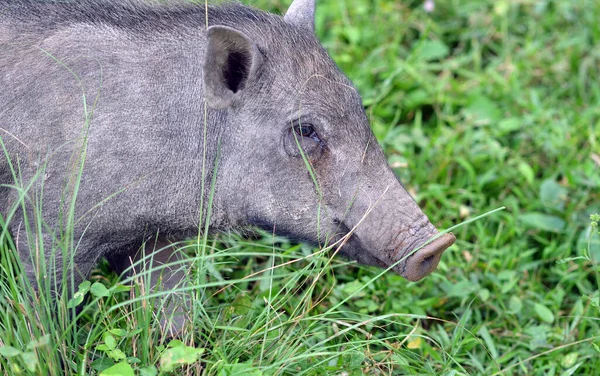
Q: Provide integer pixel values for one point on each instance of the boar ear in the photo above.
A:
(231, 59)
(301, 14)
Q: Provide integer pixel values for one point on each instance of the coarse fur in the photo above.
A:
(125, 91)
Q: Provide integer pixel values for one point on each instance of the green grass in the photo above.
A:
(478, 105)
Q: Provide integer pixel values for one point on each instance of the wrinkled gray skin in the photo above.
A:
(146, 71)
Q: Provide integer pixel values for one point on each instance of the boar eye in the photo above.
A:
(302, 139)
(306, 130)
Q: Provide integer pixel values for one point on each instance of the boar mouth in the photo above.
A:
(418, 260)
(350, 246)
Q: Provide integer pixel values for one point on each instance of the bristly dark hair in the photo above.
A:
(141, 19)
(129, 14)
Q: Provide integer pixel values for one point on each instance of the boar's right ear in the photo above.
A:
(301, 13)
(231, 59)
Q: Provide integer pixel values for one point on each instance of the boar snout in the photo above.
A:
(421, 263)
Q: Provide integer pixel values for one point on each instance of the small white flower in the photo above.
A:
(429, 6)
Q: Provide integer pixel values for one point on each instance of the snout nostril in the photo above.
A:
(428, 259)
(428, 264)
(424, 261)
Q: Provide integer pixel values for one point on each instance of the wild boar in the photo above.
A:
(121, 120)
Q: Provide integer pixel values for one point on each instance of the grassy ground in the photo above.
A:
(479, 104)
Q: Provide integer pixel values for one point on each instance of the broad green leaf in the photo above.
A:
(429, 50)
(179, 355)
(553, 194)
(354, 359)
(484, 294)
(541, 221)
(239, 370)
(77, 298)
(242, 304)
(515, 304)
(99, 290)
(9, 351)
(118, 332)
(175, 343)
(117, 355)
(42, 341)
(352, 287)
(122, 288)
(569, 360)
(526, 171)
(482, 110)
(148, 371)
(101, 364)
(120, 369)
(415, 343)
(84, 286)
(507, 275)
(544, 313)
(30, 360)
(109, 340)
(510, 124)
(539, 336)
